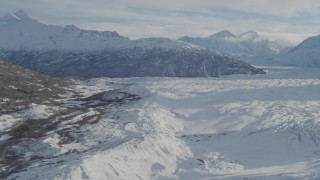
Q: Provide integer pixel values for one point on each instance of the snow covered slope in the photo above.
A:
(246, 46)
(306, 54)
(236, 127)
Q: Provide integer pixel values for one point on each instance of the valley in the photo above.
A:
(91, 104)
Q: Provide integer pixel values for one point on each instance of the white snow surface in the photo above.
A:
(36, 111)
(234, 127)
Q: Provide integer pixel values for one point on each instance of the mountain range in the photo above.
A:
(21, 34)
(245, 46)
(71, 51)
(252, 48)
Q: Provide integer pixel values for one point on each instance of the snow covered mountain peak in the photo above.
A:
(222, 34)
(15, 17)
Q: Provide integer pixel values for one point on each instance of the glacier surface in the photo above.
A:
(233, 127)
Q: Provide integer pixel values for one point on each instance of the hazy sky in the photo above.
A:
(289, 19)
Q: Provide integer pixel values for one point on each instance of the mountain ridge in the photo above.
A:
(19, 31)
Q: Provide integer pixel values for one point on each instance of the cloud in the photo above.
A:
(174, 18)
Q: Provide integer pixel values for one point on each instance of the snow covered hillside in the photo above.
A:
(234, 127)
(306, 54)
(19, 31)
(248, 46)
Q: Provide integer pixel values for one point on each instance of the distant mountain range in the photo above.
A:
(71, 51)
(252, 48)
(245, 46)
(40, 46)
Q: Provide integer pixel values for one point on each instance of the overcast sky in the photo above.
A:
(288, 19)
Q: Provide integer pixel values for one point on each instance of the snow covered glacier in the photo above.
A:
(234, 127)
